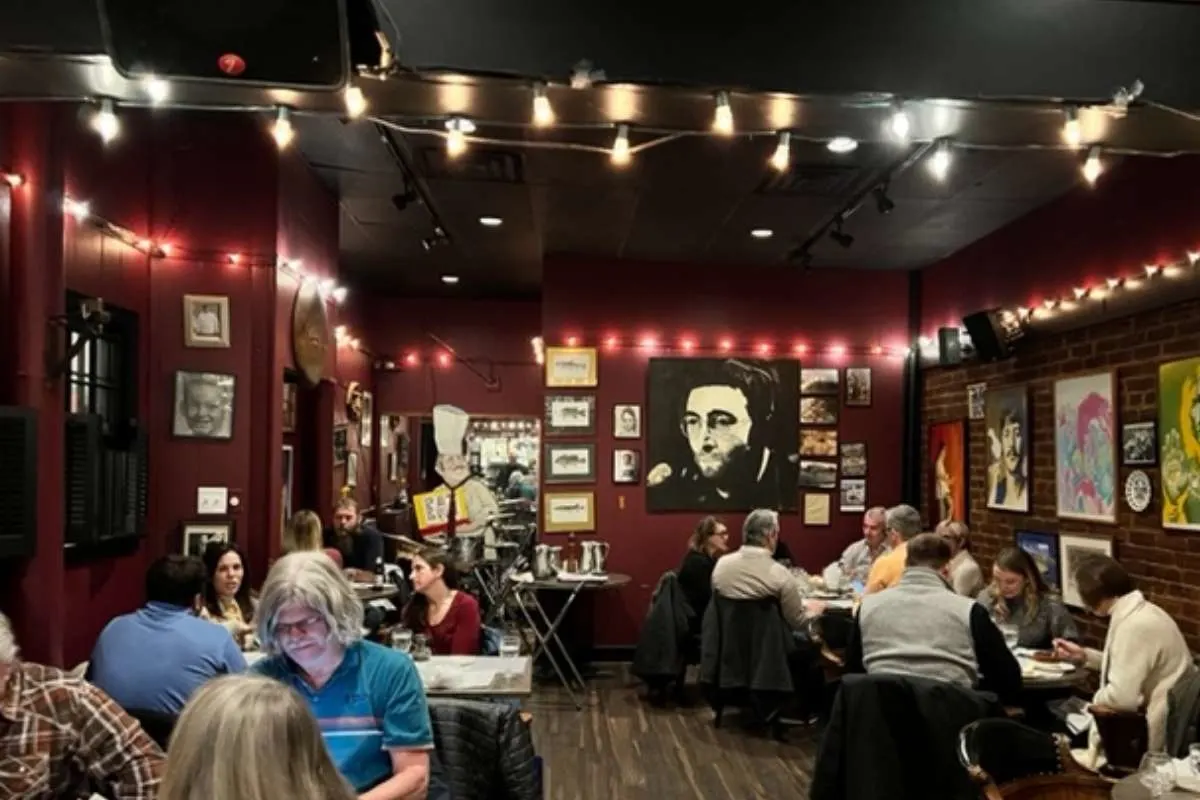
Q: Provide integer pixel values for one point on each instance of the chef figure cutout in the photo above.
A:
(474, 504)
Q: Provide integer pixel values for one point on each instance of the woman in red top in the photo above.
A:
(449, 617)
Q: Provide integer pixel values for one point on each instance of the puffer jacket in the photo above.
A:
(485, 749)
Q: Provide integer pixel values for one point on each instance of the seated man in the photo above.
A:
(154, 658)
(358, 540)
(752, 573)
(902, 523)
(858, 558)
(920, 627)
(62, 737)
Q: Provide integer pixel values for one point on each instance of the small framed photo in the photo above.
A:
(817, 474)
(570, 414)
(818, 410)
(627, 466)
(352, 469)
(205, 320)
(393, 470)
(819, 442)
(571, 367)
(858, 386)
(627, 421)
(203, 405)
(975, 394)
(365, 421)
(1138, 444)
(1043, 549)
(341, 444)
(1072, 549)
(199, 535)
(570, 463)
(289, 407)
(816, 509)
(289, 462)
(819, 381)
(569, 512)
(853, 495)
(854, 459)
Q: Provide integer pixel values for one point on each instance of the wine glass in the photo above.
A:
(1157, 773)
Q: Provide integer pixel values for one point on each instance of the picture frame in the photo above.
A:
(570, 414)
(820, 381)
(852, 460)
(568, 512)
(341, 444)
(859, 387)
(627, 421)
(1006, 415)
(289, 407)
(571, 367)
(288, 476)
(817, 474)
(1138, 444)
(817, 509)
(393, 471)
(352, 469)
(206, 320)
(819, 410)
(366, 420)
(947, 463)
(196, 536)
(627, 467)
(570, 462)
(1086, 480)
(1175, 435)
(1043, 548)
(1072, 547)
(819, 442)
(975, 400)
(852, 495)
(204, 405)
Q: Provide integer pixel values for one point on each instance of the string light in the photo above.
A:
(899, 123)
(939, 162)
(104, 121)
(1092, 166)
(1072, 132)
(13, 179)
(356, 102)
(539, 349)
(282, 131)
(456, 137)
(783, 152)
(620, 149)
(723, 115)
(543, 112)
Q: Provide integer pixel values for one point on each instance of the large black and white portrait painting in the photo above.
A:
(722, 434)
(203, 405)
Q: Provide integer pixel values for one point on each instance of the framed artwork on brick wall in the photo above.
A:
(1073, 548)
(1179, 443)
(1006, 415)
(948, 471)
(1085, 447)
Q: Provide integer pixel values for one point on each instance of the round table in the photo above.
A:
(1131, 788)
(369, 593)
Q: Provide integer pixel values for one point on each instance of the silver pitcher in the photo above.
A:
(594, 558)
(547, 561)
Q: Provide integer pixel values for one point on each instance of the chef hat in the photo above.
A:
(450, 430)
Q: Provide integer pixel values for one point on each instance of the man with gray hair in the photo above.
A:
(66, 738)
(903, 523)
(752, 573)
(860, 556)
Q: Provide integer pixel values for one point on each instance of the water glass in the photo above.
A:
(402, 639)
(510, 644)
(1157, 773)
(1011, 634)
(420, 648)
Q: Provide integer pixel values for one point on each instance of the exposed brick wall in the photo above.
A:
(1165, 564)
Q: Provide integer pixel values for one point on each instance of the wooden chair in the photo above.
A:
(1013, 761)
(1126, 738)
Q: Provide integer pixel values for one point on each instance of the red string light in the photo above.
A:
(13, 179)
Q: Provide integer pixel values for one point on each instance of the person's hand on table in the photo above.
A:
(1070, 652)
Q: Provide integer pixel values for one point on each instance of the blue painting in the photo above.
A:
(1043, 547)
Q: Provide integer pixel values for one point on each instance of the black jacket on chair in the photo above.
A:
(895, 737)
(661, 648)
(745, 646)
(485, 750)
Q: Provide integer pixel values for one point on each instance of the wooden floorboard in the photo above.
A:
(620, 746)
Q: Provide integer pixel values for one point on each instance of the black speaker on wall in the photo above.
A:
(949, 347)
(292, 43)
(993, 333)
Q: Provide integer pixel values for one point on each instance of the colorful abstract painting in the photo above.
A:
(948, 471)
(1179, 443)
(1085, 447)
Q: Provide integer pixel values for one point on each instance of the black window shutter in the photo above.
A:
(82, 490)
(18, 481)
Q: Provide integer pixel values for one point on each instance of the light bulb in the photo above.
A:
(939, 162)
(456, 137)
(282, 131)
(13, 179)
(105, 122)
(723, 116)
(356, 102)
(1072, 132)
(543, 113)
(620, 149)
(842, 145)
(80, 211)
(899, 124)
(339, 295)
(783, 152)
(157, 90)
(1093, 166)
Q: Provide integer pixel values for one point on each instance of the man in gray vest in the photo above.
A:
(920, 627)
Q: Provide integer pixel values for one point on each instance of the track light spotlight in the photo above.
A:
(840, 236)
(883, 203)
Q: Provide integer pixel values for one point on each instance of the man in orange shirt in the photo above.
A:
(903, 523)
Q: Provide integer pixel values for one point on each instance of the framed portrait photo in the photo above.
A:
(627, 421)
(853, 495)
(1006, 414)
(627, 466)
(205, 320)
(199, 535)
(858, 387)
(203, 405)
(854, 459)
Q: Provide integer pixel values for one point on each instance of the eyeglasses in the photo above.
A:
(721, 423)
(300, 627)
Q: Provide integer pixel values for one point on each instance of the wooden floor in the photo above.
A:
(620, 746)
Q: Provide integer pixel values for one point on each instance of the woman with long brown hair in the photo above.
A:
(447, 616)
(1019, 596)
(709, 541)
(227, 596)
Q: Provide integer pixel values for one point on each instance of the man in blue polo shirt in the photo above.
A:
(154, 658)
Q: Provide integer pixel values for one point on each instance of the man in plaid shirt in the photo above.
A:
(61, 737)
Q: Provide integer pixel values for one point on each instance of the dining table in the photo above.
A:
(1132, 788)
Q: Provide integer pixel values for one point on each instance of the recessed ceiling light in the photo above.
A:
(762, 233)
(491, 222)
(450, 279)
(842, 144)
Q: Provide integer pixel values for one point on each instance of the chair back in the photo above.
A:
(1125, 735)
(157, 724)
(745, 645)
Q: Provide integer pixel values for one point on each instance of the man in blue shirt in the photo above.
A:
(154, 658)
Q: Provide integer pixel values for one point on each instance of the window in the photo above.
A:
(102, 376)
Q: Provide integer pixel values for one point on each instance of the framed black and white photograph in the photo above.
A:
(627, 466)
(352, 469)
(853, 495)
(568, 414)
(570, 463)
(627, 421)
(205, 320)
(571, 367)
(854, 459)
(818, 442)
(199, 535)
(1138, 444)
(203, 405)
(975, 394)
(289, 469)
(818, 411)
(819, 381)
(720, 433)
(817, 475)
(858, 387)
(341, 444)
(1072, 549)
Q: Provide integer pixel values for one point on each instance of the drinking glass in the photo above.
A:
(510, 644)
(420, 648)
(402, 639)
(1157, 773)
(1011, 634)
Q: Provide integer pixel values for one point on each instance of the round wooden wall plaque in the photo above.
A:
(310, 332)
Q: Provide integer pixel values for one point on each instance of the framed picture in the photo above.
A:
(203, 405)
(1085, 447)
(1043, 548)
(817, 508)
(199, 535)
(1073, 548)
(975, 395)
(858, 386)
(1138, 444)
(1006, 414)
(947, 471)
(627, 466)
(817, 475)
(341, 444)
(205, 320)
(819, 381)
(1178, 425)
(570, 463)
(393, 473)
(854, 459)
(570, 414)
(627, 421)
(289, 407)
(819, 442)
(853, 495)
(366, 420)
(289, 462)
(571, 367)
(352, 469)
(569, 512)
(818, 410)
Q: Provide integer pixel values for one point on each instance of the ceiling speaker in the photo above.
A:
(300, 44)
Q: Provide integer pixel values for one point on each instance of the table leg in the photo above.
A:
(552, 631)
(543, 643)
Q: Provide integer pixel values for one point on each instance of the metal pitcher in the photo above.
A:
(594, 558)
(547, 561)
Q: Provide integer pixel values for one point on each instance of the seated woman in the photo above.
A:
(448, 617)
(1018, 596)
(709, 542)
(252, 738)
(304, 533)
(966, 577)
(227, 596)
(1144, 652)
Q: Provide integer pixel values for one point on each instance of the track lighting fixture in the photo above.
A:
(883, 203)
(840, 236)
